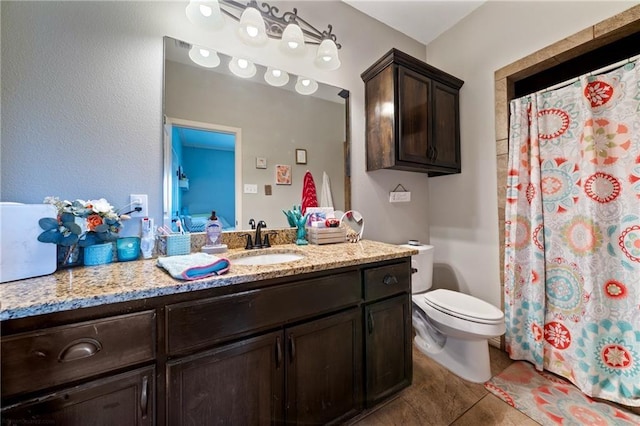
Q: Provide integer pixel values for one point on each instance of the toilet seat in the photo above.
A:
(463, 306)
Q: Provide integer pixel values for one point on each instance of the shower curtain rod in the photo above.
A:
(598, 71)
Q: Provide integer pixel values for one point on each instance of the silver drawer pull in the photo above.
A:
(78, 349)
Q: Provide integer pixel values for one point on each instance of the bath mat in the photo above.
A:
(551, 400)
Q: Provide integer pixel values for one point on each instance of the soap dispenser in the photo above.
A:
(213, 230)
(148, 241)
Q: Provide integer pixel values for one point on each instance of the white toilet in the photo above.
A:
(452, 328)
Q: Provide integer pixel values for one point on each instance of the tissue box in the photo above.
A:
(326, 235)
(174, 245)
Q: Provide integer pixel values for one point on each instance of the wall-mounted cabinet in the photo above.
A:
(412, 116)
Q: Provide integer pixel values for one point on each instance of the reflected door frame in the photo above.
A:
(169, 122)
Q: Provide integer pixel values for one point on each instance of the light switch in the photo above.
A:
(250, 188)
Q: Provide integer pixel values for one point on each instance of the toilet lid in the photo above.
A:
(463, 306)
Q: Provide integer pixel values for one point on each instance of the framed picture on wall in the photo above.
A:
(261, 163)
(283, 174)
(301, 156)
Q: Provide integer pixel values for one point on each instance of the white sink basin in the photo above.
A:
(266, 259)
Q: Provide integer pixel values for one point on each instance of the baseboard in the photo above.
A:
(495, 342)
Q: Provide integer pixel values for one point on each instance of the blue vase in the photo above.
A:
(98, 254)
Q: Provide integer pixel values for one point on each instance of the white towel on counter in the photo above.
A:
(194, 266)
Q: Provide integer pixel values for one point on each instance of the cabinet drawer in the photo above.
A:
(387, 280)
(192, 325)
(52, 356)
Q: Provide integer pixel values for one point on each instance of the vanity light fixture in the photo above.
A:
(258, 23)
(276, 77)
(252, 29)
(292, 42)
(206, 14)
(204, 57)
(306, 86)
(327, 55)
(242, 67)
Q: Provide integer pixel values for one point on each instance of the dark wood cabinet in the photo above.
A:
(412, 116)
(236, 384)
(388, 347)
(324, 376)
(305, 374)
(317, 348)
(57, 355)
(294, 373)
(388, 331)
(122, 399)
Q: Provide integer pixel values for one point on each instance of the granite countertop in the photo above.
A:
(84, 287)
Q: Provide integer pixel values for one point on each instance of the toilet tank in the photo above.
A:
(422, 279)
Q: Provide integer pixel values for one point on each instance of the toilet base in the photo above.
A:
(468, 359)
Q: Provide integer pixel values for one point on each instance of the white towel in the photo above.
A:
(194, 266)
(326, 200)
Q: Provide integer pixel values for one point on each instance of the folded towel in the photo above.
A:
(194, 266)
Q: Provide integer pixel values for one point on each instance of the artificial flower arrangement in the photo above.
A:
(80, 222)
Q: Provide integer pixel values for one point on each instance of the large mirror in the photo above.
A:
(242, 147)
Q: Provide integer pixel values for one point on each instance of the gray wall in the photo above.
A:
(82, 101)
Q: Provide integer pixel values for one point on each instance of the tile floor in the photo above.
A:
(438, 397)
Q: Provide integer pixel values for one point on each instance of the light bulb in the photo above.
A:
(205, 10)
(276, 77)
(292, 41)
(252, 31)
(204, 57)
(327, 55)
(242, 67)
(205, 13)
(306, 86)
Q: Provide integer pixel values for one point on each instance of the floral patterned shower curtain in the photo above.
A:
(572, 233)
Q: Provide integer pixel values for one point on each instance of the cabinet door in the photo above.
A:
(414, 100)
(237, 384)
(124, 399)
(446, 122)
(388, 347)
(324, 373)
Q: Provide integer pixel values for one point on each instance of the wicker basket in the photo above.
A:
(174, 245)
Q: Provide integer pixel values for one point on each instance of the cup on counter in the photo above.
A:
(128, 248)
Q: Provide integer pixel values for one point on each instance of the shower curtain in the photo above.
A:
(572, 233)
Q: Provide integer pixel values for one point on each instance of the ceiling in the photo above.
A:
(422, 20)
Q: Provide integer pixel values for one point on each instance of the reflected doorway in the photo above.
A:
(205, 164)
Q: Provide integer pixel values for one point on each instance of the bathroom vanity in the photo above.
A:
(314, 341)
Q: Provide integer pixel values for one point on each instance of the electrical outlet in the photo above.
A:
(139, 200)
